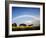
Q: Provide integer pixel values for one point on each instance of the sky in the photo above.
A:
(25, 14)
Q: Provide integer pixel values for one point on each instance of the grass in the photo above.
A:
(21, 27)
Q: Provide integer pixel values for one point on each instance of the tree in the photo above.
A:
(14, 24)
(22, 25)
(30, 25)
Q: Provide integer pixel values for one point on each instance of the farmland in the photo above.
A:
(23, 27)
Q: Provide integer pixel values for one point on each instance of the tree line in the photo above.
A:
(14, 24)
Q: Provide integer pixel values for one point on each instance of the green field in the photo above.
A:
(21, 28)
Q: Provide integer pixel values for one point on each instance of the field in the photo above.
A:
(22, 28)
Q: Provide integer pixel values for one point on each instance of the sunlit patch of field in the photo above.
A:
(22, 27)
(18, 28)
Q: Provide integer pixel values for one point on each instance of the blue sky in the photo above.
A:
(16, 11)
(19, 11)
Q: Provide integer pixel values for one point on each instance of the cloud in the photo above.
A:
(31, 16)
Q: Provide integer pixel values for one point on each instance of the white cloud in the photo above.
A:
(34, 17)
